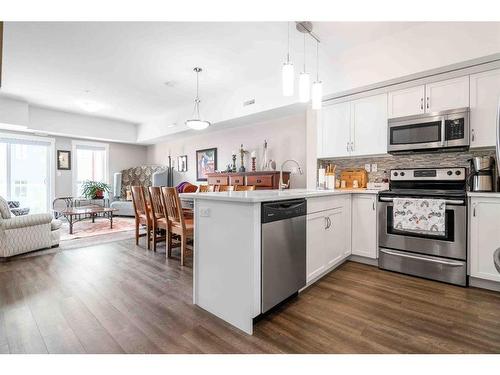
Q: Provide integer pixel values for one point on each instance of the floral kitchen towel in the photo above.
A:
(423, 215)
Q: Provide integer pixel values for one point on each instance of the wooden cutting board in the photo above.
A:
(349, 175)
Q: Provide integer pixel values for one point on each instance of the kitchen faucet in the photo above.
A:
(281, 184)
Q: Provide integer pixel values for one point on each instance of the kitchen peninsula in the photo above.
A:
(228, 257)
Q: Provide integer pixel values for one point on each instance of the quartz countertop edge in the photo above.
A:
(258, 196)
(483, 194)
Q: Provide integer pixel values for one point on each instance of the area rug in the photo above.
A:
(85, 229)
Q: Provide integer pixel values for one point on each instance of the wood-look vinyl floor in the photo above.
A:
(119, 298)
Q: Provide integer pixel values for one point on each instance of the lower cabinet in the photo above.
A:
(328, 237)
(364, 225)
(484, 237)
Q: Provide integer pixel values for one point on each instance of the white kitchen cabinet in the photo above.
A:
(328, 236)
(484, 96)
(449, 94)
(432, 97)
(364, 225)
(484, 237)
(369, 125)
(358, 127)
(334, 130)
(406, 102)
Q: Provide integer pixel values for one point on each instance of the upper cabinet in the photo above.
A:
(406, 102)
(484, 96)
(433, 97)
(357, 127)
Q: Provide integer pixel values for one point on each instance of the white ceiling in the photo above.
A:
(124, 65)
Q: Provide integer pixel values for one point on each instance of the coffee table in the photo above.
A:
(76, 214)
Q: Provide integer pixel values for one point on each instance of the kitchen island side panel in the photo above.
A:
(227, 260)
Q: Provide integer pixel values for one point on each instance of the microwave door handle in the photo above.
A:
(443, 131)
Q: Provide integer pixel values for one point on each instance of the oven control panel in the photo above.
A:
(441, 174)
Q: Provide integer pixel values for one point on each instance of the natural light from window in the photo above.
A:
(91, 164)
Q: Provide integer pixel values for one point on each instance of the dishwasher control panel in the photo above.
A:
(281, 210)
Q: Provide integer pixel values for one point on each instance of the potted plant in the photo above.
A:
(94, 189)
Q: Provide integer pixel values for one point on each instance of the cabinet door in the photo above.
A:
(406, 102)
(449, 94)
(335, 129)
(364, 225)
(315, 263)
(369, 125)
(336, 236)
(484, 96)
(484, 238)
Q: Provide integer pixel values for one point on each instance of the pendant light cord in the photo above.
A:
(288, 50)
(317, 61)
(304, 53)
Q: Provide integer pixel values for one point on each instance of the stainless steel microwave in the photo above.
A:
(433, 131)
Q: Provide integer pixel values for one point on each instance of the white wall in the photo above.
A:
(286, 139)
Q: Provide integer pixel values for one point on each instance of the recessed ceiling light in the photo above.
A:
(90, 105)
(169, 83)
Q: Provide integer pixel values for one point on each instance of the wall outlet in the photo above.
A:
(368, 168)
(205, 212)
(374, 167)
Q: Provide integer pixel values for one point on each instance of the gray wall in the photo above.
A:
(286, 139)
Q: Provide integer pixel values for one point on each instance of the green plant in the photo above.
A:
(94, 189)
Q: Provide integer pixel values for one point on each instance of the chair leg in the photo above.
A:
(154, 237)
(149, 237)
(169, 244)
(137, 233)
(183, 248)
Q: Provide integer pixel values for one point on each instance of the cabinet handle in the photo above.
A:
(373, 204)
(473, 135)
(474, 211)
(428, 100)
(352, 146)
(347, 146)
(421, 103)
(326, 222)
(259, 181)
(329, 222)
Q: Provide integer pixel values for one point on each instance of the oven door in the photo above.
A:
(452, 244)
(409, 134)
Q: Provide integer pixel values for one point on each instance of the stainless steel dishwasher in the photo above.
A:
(283, 250)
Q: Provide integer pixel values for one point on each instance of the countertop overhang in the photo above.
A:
(258, 196)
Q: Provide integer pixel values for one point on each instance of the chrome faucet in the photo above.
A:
(281, 184)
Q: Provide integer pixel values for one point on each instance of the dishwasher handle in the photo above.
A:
(282, 210)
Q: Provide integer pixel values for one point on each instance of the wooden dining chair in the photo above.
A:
(225, 188)
(206, 188)
(177, 223)
(158, 215)
(141, 214)
(244, 187)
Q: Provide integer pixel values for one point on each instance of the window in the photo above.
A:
(26, 170)
(91, 163)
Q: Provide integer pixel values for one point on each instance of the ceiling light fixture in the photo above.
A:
(317, 87)
(287, 71)
(304, 80)
(196, 123)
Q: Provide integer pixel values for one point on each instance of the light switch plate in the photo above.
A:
(368, 168)
(374, 167)
(205, 212)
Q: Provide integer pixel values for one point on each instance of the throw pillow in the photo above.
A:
(4, 209)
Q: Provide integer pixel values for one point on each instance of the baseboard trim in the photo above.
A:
(364, 260)
(484, 284)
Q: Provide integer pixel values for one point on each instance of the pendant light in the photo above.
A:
(304, 81)
(287, 71)
(196, 122)
(317, 86)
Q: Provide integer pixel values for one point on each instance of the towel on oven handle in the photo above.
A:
(419, 215)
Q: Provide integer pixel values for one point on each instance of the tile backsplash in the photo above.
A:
(417, 160)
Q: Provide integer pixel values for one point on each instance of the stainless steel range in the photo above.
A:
(438, 256)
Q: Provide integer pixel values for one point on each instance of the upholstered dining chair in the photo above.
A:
(177, 223)
(141, 214)
(206, 188)
(158, 215)
(244, 187)
(225, 188)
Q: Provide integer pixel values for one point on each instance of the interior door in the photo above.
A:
(449, 94)
(406, 102)
(29, 175)
(369, 125)
(335, 124)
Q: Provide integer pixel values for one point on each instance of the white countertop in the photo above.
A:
(483, 194)
(257, 196)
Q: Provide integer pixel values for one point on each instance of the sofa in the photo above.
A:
(22, 234)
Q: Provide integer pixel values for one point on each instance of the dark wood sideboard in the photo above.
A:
(262, 180)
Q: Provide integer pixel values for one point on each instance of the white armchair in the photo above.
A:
(21, 234)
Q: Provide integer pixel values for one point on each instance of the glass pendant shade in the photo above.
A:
(197, 124)
(317, 94)
(288, 77)
(304, 87)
